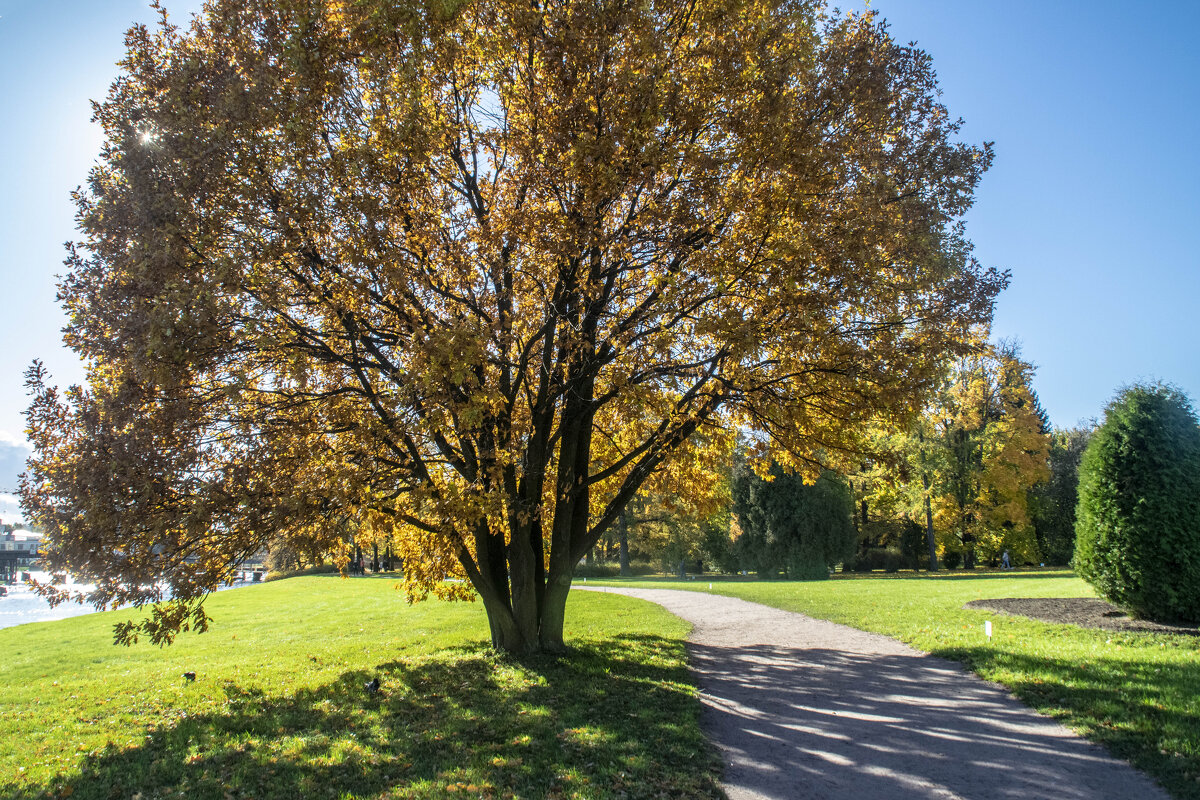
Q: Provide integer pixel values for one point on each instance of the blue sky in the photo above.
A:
(55, 56)
(1092, 203)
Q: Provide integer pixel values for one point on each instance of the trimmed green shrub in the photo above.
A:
(316, 569)
(611, 569)
(1137, 529)
(888, 559)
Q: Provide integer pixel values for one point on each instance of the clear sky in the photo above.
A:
(1092, 204)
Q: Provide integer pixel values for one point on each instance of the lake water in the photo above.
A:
(22, 605)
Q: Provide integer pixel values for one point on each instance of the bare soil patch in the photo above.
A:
(1085, 612)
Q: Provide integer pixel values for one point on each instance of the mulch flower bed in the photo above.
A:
(1086, 612)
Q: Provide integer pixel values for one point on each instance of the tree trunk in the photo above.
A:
(506, 633)
(527, 633)
(623, 544)
(553, 614)
(929, 540)
(526, 597)
(534, 619)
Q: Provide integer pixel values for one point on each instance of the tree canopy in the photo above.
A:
(995, 447)
(1053, 502)
(473, 273)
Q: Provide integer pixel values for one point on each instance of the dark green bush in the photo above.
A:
(951, 559)
(599, 569)
(788, 526)
(1137, 534)
(888, 559)
(316, 569)
(611, 569)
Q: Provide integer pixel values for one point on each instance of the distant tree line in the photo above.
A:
(977, 472)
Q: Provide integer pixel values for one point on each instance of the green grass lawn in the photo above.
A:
(279, 710)
(1136, 693)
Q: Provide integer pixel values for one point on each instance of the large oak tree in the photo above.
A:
(472, 272)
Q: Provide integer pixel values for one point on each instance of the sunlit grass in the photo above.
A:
(1136, 693)
(279, 709)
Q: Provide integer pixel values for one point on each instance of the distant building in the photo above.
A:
(19, 550)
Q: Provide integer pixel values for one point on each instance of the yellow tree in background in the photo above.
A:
(472, 273)
(994, 447)
(963, 469)
(899, 479)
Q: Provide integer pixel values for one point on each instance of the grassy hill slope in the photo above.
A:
(279, 709)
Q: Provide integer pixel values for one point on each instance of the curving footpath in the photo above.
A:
(803, 708)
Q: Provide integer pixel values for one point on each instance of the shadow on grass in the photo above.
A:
(1143, 711)
(613, 719)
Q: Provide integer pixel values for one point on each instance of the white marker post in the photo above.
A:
(987, 628)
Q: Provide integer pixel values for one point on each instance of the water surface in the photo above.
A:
(23, 604)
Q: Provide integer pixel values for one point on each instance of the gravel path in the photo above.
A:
(803, 708)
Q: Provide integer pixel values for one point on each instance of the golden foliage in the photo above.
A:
(474, 272)
(974, 454)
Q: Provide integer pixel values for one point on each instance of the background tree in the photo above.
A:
(963, 471)
(1137, 537)
(895, 491)
(786, 525)
(474, 272)
(994, 450)
(681, 516)
(302, 551)
(1052, 502)
(678, 537)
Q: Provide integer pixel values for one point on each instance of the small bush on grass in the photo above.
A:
(598, 570)
(1137, 535)
(611, 569)
(317, 569)
(888, 559)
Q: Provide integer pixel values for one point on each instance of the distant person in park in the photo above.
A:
(1004, 562)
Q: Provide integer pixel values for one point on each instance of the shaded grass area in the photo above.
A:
(1138, 694)
(279, 708)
